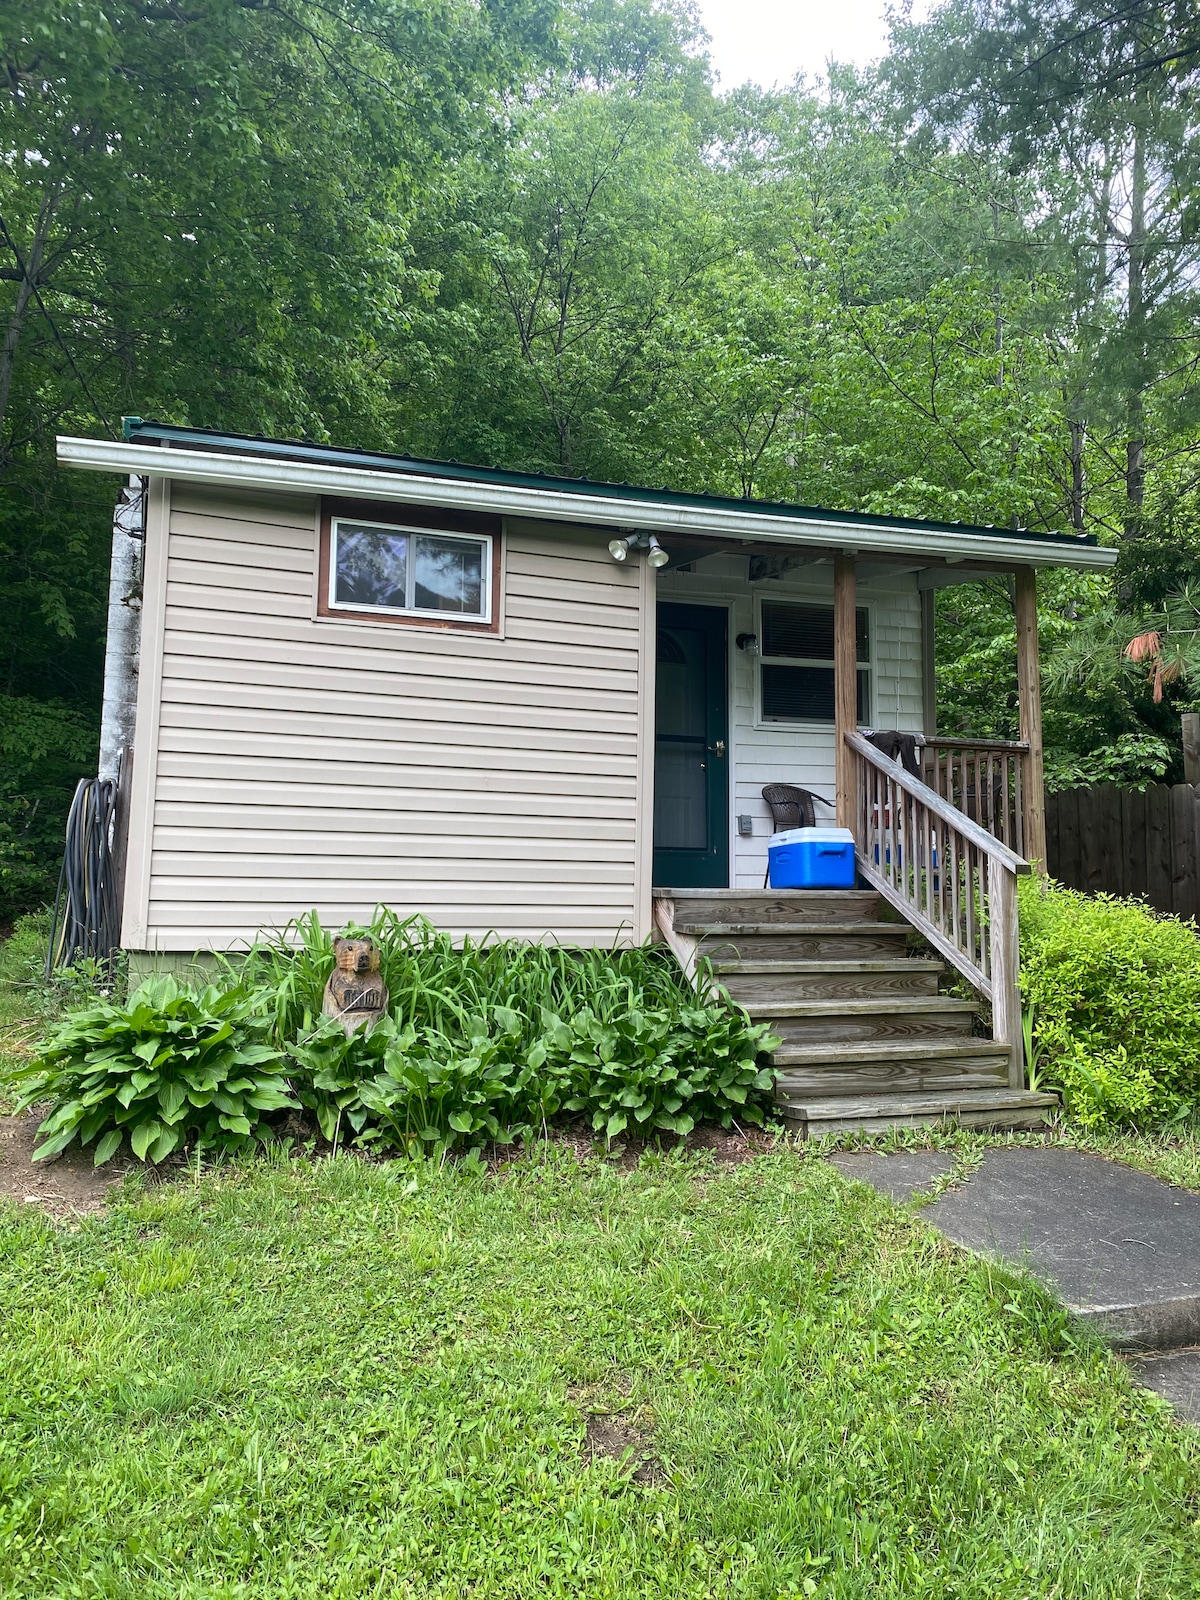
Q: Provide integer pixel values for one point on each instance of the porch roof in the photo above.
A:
(206, 455)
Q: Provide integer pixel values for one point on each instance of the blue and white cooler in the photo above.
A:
(811, 858)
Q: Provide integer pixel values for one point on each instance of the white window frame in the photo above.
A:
(483, 540)
(761, 660)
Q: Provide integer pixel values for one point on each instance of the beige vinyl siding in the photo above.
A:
(773, 752)
(285, 762)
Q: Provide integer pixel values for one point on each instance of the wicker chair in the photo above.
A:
(791, 808)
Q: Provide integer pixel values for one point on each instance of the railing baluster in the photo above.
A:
(950, 867)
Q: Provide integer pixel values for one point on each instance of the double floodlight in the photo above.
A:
(619, 549)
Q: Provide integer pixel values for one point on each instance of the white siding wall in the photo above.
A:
(285, 761)
(762, 753)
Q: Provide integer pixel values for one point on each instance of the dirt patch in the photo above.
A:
(68, 1186)
(614, 1430)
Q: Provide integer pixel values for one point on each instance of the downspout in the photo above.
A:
(119, 713)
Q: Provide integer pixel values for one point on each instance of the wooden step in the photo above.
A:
(889, 1068)
(875, 1113)
(814, 1021)
(797, 941)
(725, 906)
(828, 980)
(882, 1081)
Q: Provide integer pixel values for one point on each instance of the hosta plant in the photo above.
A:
(657, 1070)
(171, 1067)
(414, 1089)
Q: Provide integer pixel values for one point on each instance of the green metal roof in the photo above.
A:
(147, 432)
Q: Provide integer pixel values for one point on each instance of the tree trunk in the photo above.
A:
(1135, 447)
(1078, 480)
(29, 268)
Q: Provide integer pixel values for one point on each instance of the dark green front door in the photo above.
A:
(691, 770)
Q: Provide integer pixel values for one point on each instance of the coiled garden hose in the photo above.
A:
(86, 921)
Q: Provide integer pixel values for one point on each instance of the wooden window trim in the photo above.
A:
(436, 519)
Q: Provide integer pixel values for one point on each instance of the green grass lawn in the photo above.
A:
(340, 1379)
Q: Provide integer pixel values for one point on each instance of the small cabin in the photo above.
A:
(535, 707)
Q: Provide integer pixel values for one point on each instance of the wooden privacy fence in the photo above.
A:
(1128, 841)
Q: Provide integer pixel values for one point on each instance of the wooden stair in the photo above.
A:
(868, 1043)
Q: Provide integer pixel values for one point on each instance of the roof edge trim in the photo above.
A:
(549, 502)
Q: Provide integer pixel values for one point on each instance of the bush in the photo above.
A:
(488, 1041)
(484, 1043)
(168, 1067)
(1115, 997)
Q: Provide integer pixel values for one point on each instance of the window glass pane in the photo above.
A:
(802, 694)
(807, 631)
(448, 575)
(372, 567)
(863, 710)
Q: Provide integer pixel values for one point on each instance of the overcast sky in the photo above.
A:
(769, 41)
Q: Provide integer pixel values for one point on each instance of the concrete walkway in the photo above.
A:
(1121, 1249)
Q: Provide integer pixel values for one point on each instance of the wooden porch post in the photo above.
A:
(1029, 690)
(845, 681)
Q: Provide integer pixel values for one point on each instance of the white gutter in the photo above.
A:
(308, 477)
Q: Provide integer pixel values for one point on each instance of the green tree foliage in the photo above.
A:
(530, 233)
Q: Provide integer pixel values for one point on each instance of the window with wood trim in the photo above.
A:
(387, 564)
(795, 645)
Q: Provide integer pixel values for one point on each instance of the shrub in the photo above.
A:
(409, 1089)
(487, 1041)
(1115, 997)
(170, 1066)
(484, 1043)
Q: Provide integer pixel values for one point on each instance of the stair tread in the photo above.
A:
(885, 1050)
(823, 1107)
(793, 930)
(904, 1005)
(766, 894)
(803, 964)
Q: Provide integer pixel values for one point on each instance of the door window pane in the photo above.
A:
(680, 805)
(372, 567)
(449, 575)
(680, 683)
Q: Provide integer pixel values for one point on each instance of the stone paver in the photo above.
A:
(1175, 1376)
(1121, 1248)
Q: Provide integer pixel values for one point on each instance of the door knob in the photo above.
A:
(719, 749)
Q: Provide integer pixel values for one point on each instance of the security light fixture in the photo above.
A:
(619, 549)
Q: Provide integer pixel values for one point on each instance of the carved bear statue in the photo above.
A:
(355, 994)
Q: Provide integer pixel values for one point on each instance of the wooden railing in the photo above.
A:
(949, 876)
(987, 780)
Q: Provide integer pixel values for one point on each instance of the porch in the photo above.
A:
(769, 670)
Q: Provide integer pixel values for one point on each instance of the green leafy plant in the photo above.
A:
(653, 1070)
(1112, 993)
(488, 1040)
(170, 1067)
